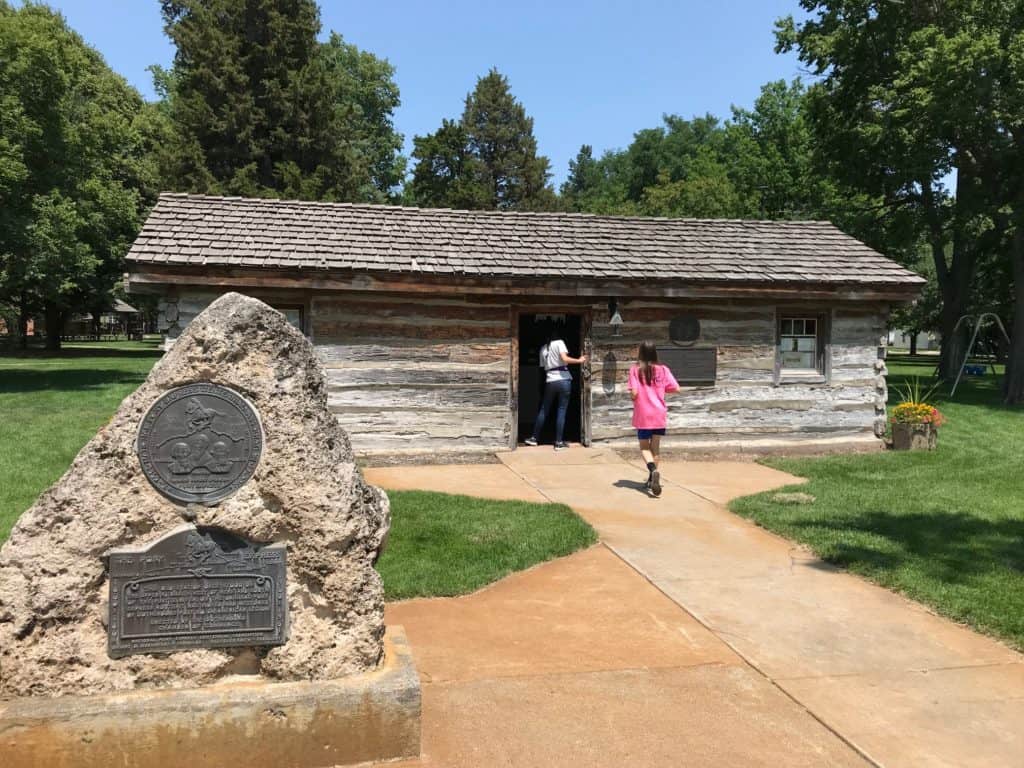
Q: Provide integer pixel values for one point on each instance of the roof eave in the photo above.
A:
(148, 277)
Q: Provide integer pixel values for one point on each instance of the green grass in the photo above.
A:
(443, 545)
(51, 405)
(945, 528)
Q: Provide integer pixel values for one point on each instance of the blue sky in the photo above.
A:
(587, 72)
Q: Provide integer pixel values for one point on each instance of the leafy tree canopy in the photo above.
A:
(910, 92)
(74, 175)
(758, 164)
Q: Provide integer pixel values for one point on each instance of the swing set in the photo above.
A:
(984, 318)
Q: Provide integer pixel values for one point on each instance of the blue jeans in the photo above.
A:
(562, 389)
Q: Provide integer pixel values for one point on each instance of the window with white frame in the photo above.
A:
(800, 343)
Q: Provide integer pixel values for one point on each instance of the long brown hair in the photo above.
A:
(648, 358)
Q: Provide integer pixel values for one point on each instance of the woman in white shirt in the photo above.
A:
(555, 360)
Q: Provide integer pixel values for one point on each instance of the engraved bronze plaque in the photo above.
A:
(695, 366)
(196, 588)
(200, 443)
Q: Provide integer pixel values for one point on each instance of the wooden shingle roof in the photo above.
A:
(258, 234)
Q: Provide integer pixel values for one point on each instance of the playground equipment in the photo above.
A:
(974, 338)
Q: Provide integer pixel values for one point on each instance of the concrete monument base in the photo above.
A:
(363, 718)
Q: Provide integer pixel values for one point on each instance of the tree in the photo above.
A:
(758, 164)
(677, 169)
(488, 160)
(447, 173)
(260, 107)
(584, 177)
(923, 314)
(706, 192)
(365, 97)
(770, 154)
(73, 176)
(910, 93)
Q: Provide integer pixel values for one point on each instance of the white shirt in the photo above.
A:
(551, 357)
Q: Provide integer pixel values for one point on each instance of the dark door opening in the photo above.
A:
(534, 332)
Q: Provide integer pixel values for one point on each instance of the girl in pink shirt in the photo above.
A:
(648, 384)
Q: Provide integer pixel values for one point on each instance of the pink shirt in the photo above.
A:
(649, 410)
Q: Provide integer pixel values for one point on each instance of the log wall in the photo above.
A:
(751, 400)
(432, 373)
(421, 374)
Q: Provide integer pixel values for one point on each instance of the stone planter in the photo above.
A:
(914, 437)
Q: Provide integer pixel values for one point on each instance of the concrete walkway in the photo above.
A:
(851, 672)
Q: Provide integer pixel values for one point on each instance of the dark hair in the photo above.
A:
(648, 357)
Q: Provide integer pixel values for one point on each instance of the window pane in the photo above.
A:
(798, 343)
(293, 315)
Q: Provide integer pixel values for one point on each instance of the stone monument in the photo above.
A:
(213, 543)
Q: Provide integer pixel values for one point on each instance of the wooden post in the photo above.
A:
(586, 347)
(513, 379)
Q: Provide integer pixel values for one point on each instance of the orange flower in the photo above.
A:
(917, 413)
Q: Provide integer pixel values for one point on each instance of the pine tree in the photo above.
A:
(487, 160)
(447, 174)
(584, 178)
(260, 107)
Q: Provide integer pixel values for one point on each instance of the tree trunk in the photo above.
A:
(54, 326)
(954, 278)
(913, 342)
(1014, 387)
(953, 346)
(23, 324)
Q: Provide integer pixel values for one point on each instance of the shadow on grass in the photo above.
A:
(949, 547)
(69, 353)
(983, 391)
(66, 380)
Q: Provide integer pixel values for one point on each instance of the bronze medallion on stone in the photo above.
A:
(200, 443)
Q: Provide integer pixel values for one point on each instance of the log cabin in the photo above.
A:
(429, 322)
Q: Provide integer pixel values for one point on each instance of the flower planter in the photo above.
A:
(914, 437)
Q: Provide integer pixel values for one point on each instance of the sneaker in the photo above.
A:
(656, 483)
(530, 441)
(561, 446)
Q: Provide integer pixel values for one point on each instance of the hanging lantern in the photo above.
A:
(615, 319)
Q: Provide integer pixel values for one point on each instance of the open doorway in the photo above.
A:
(534, 332)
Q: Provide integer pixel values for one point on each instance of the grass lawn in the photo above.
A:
(945, 528)
(443, 545)
(51, 405)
